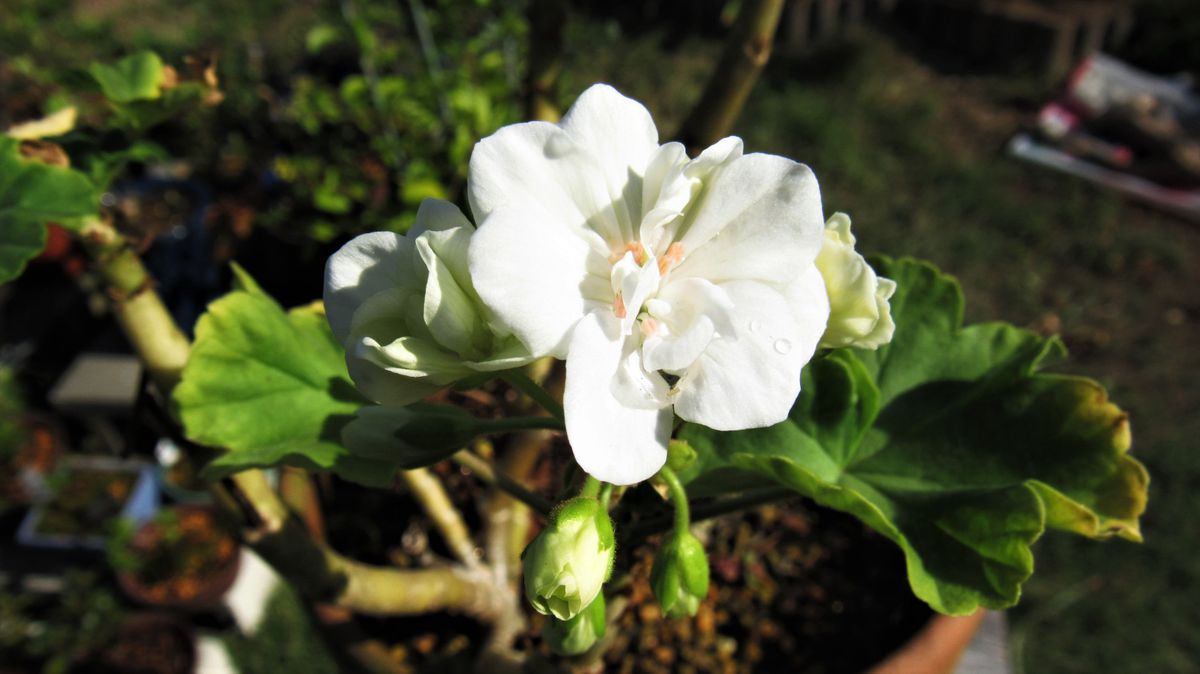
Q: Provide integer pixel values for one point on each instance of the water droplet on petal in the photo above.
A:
(754, 326)
(782, 347)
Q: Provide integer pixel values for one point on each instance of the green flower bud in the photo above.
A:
(679, 577)
(680, 455)
(566, 565)
(575, 636)
(859, 313)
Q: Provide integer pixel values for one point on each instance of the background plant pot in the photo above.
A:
(72, 518)
(177, 475)
(25, 481)
(150, 642)
(195, 594)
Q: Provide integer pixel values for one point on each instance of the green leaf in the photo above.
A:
(32, 194)
(103, 167)
(242, 280)
(271, 388)
(138, 77)
(141, 93)
(950, 443)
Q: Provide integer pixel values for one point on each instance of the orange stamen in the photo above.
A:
(671, 258)
(649, 326)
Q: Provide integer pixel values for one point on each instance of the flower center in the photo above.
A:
(636, 277)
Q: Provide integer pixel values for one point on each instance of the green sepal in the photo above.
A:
(680, 575)
(577, 635)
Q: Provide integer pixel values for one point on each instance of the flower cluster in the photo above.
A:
(672, 286)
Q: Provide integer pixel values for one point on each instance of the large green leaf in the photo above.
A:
(271, 387)
(950, 443)
(31, 195)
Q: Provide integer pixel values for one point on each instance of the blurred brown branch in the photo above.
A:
(745, 55)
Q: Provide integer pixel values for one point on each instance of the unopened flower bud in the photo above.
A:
(567, 564)
(575, 636)
(679, 577)
(859, 313)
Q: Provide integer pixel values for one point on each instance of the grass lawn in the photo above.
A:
(917, 160)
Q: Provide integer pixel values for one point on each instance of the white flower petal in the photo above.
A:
(384, 387)
(412, 357)
(759, 218)
(699, 310)
(437, 215)
(670, 184)
(752, 382)
(537, 167)
(714, 156)
(451, 315)
(666, 163)
(674, 352)
(511, 353)
(530, 271)
(366, 265)
(636, 386)
(620, 133)
(451, 305)
(611, 441)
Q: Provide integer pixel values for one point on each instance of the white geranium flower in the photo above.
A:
(859, 315)
(670, 285)
(404, 308)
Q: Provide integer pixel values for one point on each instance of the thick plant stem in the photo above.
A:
(484, 470)
(429, 492)
(297, 491)
(323, 575)
(159, 343)
(746, 52)
(546, 21)
(507, 530)
(509, 518)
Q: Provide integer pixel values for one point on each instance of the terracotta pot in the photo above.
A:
(935, 649)
(207, 592)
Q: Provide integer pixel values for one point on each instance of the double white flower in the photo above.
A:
(670, 285)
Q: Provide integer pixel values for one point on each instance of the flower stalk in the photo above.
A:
(429, 492)
(745, 55)
(484, 470)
